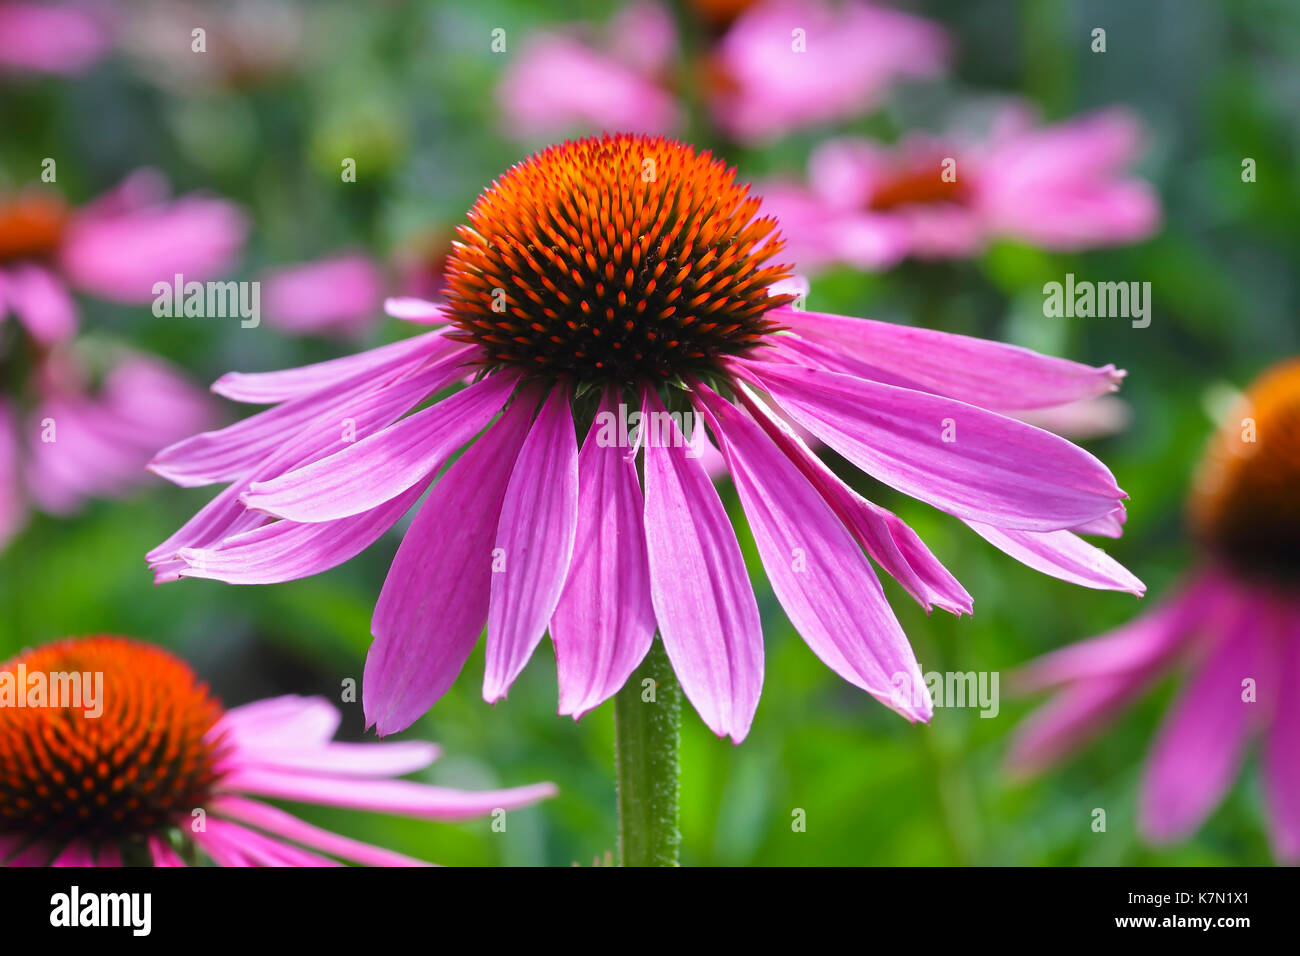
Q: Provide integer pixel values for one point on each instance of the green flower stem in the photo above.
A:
(647, 734)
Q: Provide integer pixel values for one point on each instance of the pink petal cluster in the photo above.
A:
(1241, 642)
(1060, 187)
(529, 531)
(790, 64)
(340, 295)
(557, 82)
(282, 748)
(117, 248)
(51, 38)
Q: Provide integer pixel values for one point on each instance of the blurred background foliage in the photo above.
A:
(406, 88)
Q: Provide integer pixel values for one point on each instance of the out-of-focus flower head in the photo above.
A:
(1234, 622)
(1061, 187)
(138, 764)
(566, 81)
(53, 38)
(789, 64)
(116, 247)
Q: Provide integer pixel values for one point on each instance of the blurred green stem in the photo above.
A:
(647, 735)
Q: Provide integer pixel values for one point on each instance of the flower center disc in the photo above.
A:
(1245, 506)
(620, 258)
(30, 226)
(128, 771)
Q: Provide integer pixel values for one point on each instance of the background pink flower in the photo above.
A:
(789, 64)
(51, 38)
(116, 248)
(1234, 624)
(1061, 187)
(559, 82)
(178, 779)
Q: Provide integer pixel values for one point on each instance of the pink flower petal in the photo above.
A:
(121, 257)
(1063, 555)
(341, 759)
(818, 572)
(50, 39)
(702, 597)
(604, 623)
(288, 550)
(281, 721)
(1148, 640)
(313, 420)
(415, 310)
(534, 542)
(989, 374)
(1199, 749)
(1282, 753)
(275, 820)
(41, 302)
(435, 599)
(886, 537)
(404, 797)
(268, 388)
(336, 295)
(162, 853)
(382, 466)
(995, 470)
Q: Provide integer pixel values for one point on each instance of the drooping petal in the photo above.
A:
(1282, 753)
(12, 509)
(313, 420)
(269, 388)
(341, 759)
(818, 572)
(288, 550)
(162, 854)
(539, 518)
(274, 820)
(1199, 749)
(886, 537)
(41, 302)
(382, 466)
(1063, 555)
(604, 623)
(1149, 639)
(404, 797)
(1076, 715)
(980, 372)
(435, 599)
(702, 597)
(1105, 674)
(990, 468)
(231, 844)
(75, 853)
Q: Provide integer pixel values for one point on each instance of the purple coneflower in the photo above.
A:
(141, 765)
(1062, 186)
(1235, 622)
(595, 280)
(116, 247)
